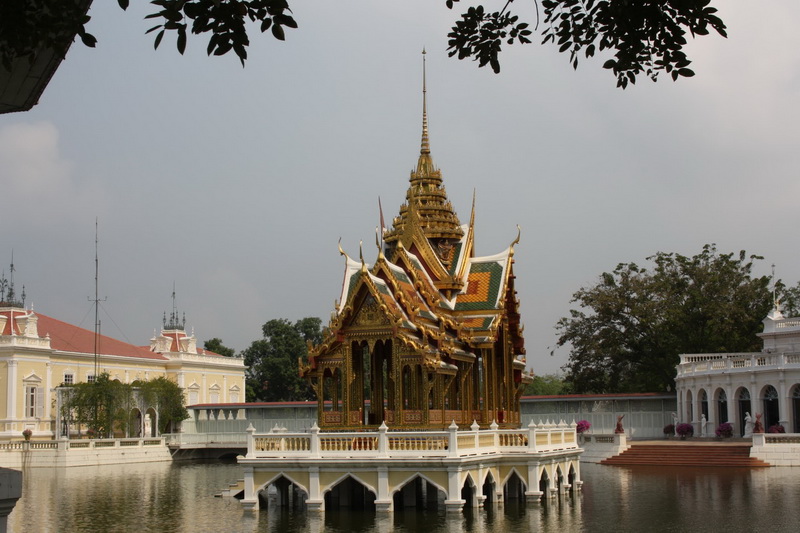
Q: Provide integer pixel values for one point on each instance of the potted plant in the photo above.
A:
(776, 428)
(669, 430)
(27, 434)
(724, 430)
(582, 427)
(684, 430)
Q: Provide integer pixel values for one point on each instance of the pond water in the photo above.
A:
(166, 497)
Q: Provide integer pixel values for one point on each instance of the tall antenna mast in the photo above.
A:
(96, 301)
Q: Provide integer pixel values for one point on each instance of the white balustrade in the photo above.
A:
(541, 438)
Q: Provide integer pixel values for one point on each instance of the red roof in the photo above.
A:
(68, 338)
(203, 351)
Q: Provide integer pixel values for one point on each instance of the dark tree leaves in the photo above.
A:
(480, 34)
(29, 27)
(167, 397)
(272, 372)
(630, 327)
(646, 36)
(215, 345)
(225, 20)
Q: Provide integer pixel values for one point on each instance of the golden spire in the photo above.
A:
(426, 212)
(425, 148)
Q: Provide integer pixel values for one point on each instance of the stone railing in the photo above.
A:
(702, 363)
(766, 439)
(78, 444)
(777, 449)
(536, 438)
(200, 358)
(599, 446)
(205, 440)
(17, 340)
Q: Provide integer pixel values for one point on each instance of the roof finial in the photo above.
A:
(342, 252)
(378, 232)
(519, 234)
(775, 300)
(174, 318)
(472, 214)
(425, 149)
(11, 281)
(361, 255)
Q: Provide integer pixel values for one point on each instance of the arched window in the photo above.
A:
(722, 406)
(743, 407)
(795, 409)
(771, 408)
(704, 403)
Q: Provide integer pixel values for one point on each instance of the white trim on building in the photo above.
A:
(725, 387)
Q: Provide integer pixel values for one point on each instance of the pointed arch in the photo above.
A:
(279, 475)
(282, 491)
(469, 492)
(489, 489)
(418, 491)
(514, 486)
(572, 476)
(350, 491)
(544, 482)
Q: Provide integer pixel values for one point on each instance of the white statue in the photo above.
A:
(675, 424)
(148, 425)
(703, 423)
(748, 425)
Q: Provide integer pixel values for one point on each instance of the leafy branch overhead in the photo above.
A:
(642, 36)
(225, 19)
(645, 36)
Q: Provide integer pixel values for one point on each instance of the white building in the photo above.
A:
(724, 387)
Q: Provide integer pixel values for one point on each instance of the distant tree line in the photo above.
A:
(271, 371)
(625, 334)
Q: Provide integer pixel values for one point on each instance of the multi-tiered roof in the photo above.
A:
(428, 319)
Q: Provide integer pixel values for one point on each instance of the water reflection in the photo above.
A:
(168, 497)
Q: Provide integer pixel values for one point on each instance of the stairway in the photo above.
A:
(686, 454)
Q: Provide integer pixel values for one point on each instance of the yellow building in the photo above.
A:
(39, 353)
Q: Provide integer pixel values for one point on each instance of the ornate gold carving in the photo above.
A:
(371, 314)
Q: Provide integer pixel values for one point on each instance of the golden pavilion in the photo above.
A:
(429, 334)
(418, 381)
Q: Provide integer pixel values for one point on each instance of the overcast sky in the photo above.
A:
(236, 184)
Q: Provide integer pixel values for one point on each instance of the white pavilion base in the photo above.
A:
(385, 468)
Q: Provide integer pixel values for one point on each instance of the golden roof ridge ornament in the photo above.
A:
(472, 214)
(341, 250)
(516, 241)
(378, 243)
